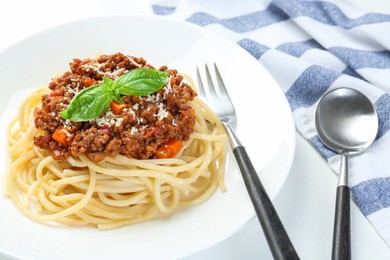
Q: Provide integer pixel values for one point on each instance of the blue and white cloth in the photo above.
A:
(311, 47)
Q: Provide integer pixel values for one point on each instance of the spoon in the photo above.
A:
(347, 123)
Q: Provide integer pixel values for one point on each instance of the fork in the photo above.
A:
(277, 238)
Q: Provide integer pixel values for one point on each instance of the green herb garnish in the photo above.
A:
(91, 102)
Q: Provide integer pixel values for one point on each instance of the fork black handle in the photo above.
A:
(277, 237)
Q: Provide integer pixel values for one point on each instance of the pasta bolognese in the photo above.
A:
(113, 142)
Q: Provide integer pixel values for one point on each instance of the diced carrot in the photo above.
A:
(56, 93)
(89, 82)
(169, 149)
(60, 135)
(117, 107)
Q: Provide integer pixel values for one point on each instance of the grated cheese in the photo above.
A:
(96, 67)
(151, 98)
(93, 66)
(119, 121)
(67, 123)
(109, 119)
(162, 112)
(132, 61)
(168, 86)
(134, 130)
(140, 120)
(131, 112)
(70, 90)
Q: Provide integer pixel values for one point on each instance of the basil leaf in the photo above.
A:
(116, 96)
(140, 82)
(113, 94)
(109, 83)
(89, 104)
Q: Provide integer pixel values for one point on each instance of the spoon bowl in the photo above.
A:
(346, 123)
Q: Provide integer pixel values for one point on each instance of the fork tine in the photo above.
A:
(210, 83)
(221, 84)
(200, 83)
(222, 87)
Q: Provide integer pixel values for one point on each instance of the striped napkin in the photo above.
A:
(311, 47)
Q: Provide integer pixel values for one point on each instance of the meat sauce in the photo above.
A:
(141, 127)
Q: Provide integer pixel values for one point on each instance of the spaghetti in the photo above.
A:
(117, 190)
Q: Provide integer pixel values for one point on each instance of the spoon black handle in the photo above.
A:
(277, 238)
(341, 249)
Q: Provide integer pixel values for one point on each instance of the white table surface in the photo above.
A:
(305, 203)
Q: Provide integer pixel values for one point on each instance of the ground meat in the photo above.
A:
(138, 131)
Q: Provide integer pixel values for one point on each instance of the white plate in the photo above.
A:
(265, 127)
